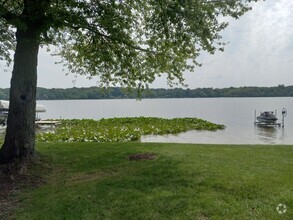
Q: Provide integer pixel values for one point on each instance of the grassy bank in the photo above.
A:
(98, 181)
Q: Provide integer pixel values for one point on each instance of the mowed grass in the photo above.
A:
(186, 181)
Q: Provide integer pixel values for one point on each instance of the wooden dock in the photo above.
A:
(48, 123)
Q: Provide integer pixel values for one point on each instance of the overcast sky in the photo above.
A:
(259, 53)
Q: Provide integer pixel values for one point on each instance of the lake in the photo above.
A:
(236, 113)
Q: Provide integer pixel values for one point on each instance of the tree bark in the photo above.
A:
(20, 134)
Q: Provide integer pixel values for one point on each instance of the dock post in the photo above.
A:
(284, 113)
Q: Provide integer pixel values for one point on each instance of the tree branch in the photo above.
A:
(93, 30)
(10, 17)
(123, 42)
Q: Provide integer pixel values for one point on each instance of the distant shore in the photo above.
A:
(122, 93)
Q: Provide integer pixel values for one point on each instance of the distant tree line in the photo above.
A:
(120, 93)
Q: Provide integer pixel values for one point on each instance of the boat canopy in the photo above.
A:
(40, 108)
(4, 105)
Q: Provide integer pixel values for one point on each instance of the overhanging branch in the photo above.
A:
(93, 30)
(123, 42)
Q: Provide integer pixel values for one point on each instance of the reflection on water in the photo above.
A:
(257, 135)
(266, 134)
(270, 135)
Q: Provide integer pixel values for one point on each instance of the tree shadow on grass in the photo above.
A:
(17, 176)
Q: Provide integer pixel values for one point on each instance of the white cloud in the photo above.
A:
(260, 51)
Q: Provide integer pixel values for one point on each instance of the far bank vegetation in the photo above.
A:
(120, 93)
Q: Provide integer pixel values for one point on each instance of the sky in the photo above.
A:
(259, 53)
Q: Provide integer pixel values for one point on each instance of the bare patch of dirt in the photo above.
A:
(90, 176)
(142, 156)
(15, 177)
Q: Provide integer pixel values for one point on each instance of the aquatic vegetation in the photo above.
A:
(122, 129)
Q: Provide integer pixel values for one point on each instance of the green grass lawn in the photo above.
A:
(186, 181)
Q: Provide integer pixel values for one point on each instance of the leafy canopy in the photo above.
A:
(129, 42)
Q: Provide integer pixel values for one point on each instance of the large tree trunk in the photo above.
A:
(20, 134)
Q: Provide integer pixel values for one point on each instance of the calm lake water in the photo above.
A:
(236, 113)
